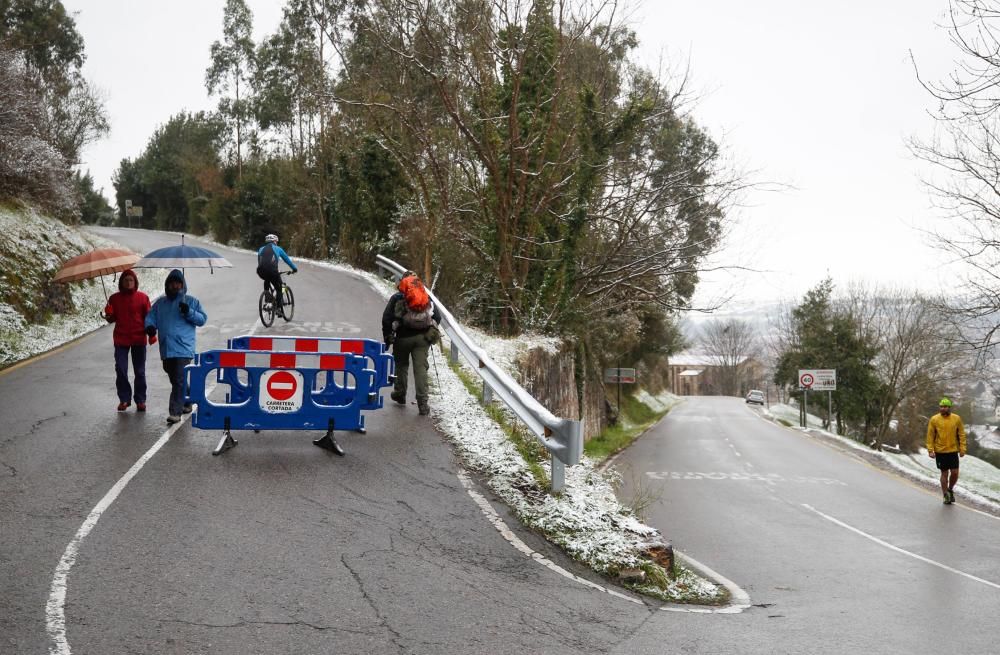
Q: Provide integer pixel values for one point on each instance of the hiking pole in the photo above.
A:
(434, 359)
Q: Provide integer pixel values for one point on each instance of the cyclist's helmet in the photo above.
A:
(271, 238)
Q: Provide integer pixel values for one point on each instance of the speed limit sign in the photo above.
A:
(818, 379)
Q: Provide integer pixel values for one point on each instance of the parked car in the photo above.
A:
(755, 396)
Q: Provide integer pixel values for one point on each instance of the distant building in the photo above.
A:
(693, 374)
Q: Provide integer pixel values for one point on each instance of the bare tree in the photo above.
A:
(965, 153)
(731, 343)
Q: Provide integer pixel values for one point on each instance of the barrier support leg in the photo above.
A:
(227, 441)
(327, 442)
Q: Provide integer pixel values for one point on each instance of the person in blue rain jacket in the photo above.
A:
(174, 317)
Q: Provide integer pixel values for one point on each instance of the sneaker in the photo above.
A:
(123, 406)
(173, 419)
(140, 407)
(398, 397)
(188, 409)
(947, 498)
(951, 496)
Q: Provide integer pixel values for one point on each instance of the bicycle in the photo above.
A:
(266, 303)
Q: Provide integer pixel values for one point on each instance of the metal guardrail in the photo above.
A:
(562, 437)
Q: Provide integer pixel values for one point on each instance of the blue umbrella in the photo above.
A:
(183, 256)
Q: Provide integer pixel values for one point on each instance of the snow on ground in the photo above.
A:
(586, 520)
(978, 480)
(20, 339)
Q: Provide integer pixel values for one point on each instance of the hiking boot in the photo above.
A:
(123, 406)
(951, 496)
(399, 397)
(947, 498)
(423, 408)
(188, 409)
(140, 407)
(173, 419)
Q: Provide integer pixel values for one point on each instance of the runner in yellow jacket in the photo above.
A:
(945, 444)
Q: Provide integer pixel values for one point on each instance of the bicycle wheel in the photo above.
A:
(266, 308)
(289, 303)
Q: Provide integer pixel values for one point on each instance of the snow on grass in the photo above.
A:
(39, 247)
(586, 520)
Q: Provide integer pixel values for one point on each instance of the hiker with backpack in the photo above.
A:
(410, 325)
(267, 269)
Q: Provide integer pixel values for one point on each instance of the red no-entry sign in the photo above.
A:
(281, 391)
(282, 385)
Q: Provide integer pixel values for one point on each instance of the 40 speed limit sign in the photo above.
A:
(818, 379)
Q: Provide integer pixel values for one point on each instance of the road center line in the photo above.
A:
(886, 544)
(55, 608)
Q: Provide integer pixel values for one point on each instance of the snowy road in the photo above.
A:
(841, 557)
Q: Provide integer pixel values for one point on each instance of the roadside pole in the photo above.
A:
(829, 410)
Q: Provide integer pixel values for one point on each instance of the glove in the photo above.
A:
(390, 339)
(184, 308)
(294, 272)
(150, 331)
(152, 339)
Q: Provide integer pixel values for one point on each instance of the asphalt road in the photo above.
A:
(276, 546)
(280, 547)
(840, 556)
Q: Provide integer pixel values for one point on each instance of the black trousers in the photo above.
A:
(174, 368)
(274, 279)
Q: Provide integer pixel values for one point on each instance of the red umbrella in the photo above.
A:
(95, 263)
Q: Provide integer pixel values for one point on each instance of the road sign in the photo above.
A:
(619, 375)
(818, 379)
(281, 391)
(134, 211)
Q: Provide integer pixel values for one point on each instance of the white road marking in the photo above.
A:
(770, 478)
(55, 608)
(897, 549)
(740, 597)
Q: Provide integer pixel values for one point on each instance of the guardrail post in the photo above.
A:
(453, 354)
(558, 475)
(487, 394)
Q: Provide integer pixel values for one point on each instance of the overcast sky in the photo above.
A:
(818, 97)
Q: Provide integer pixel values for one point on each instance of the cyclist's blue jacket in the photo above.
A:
(279, 252)
(175, 330)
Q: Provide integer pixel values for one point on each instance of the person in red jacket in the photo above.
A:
(127, 309)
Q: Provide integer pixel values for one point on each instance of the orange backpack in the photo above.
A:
(415, 310)
(415, 294)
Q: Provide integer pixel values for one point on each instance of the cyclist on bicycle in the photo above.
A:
(267, 268)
